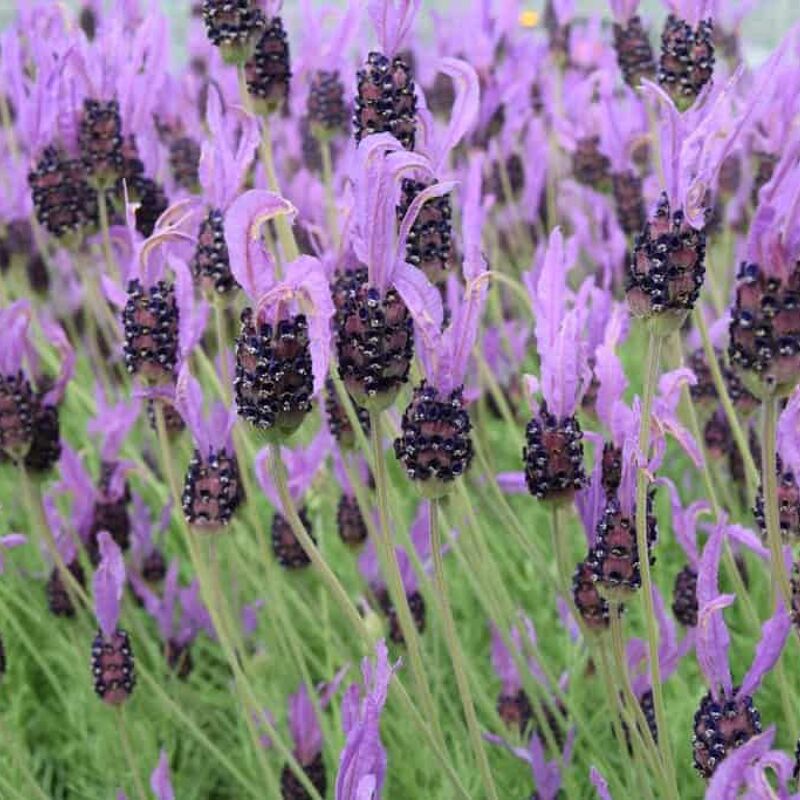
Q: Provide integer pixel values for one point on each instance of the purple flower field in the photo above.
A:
(399, 403)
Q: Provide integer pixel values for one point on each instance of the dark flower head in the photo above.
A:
(232, 25)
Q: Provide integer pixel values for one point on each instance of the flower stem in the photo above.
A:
(642, 480)
(769, 480)
(128, 752)
(391, 570)
(454, 648)
(280, 477)
(108, 253)
(222, 348)
(327, 181)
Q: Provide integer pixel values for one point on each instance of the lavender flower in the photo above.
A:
(553, 453)
(283, 349)
(224, 162)
(363, 760)
(112, 658)
(631, 43)
(212, 487)
(727, 717)
(375, 303)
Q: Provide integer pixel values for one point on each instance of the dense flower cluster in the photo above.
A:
(286, 324)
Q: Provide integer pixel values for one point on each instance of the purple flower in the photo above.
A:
(211, 432)
(392, 20)
(363, 761)
(160, 780)
(546, 774)
(107, 584)
(732, 774)
(112, 423)
(713, 638)
(304, 727)
(559, 325)
(600, 784)
(304, 288)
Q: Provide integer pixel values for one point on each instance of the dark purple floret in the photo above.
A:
(45, 446)
(350, 522)
(668, 264)
(611, 471)
(154, 566)
(513, 181)
(232, 25)
(338, 421)
(684, 597)
(553, 456)
(416, 603)
(434, 444)
(173, 421)
(615, 556)
(649, 712)
(704, 391)
(687, 59)
(152, 203)
(87, 21)
(211, 264)
(795, 582)
(212, 490)
(59, 600)
(374, 339)
(765, 330)
(269, 71)
(150, 319)
(274, 380)
(634, 52)
(717, 435)
(516, 711)
(184, 162)
(590, 604)
(18, 406)
(441, 95)
(292, 789)
(385, 101)
(721, 726)
(62, 198)
(113, 667)
(100, 140)
(589, 166)
(326, 107)
(179, 658)
(730, 174)
(762, 172)
(788, 505)
(286, 546)
(629, 202)
(429, 242)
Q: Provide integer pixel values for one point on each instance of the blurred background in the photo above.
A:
(763, 27)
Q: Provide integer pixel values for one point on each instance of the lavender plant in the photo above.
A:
(448, 357)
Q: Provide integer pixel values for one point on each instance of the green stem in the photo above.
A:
(307, 543)
(642, 481)
(454, 648)
(769, 481)
(391, 570)
(222, 348)
(561, 550)
(128, 752)
(327, 181)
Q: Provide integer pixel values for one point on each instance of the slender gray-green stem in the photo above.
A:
(769, 482)
(391, 568)
(642, 487)
(127, 751)
(456, 655)
(222, 348)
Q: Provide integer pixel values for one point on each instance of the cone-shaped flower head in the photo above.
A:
(283, 349)
(553, 453)
(212, 488)
(112, 659)
(727, 718)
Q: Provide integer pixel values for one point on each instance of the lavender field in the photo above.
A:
(399, 400)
